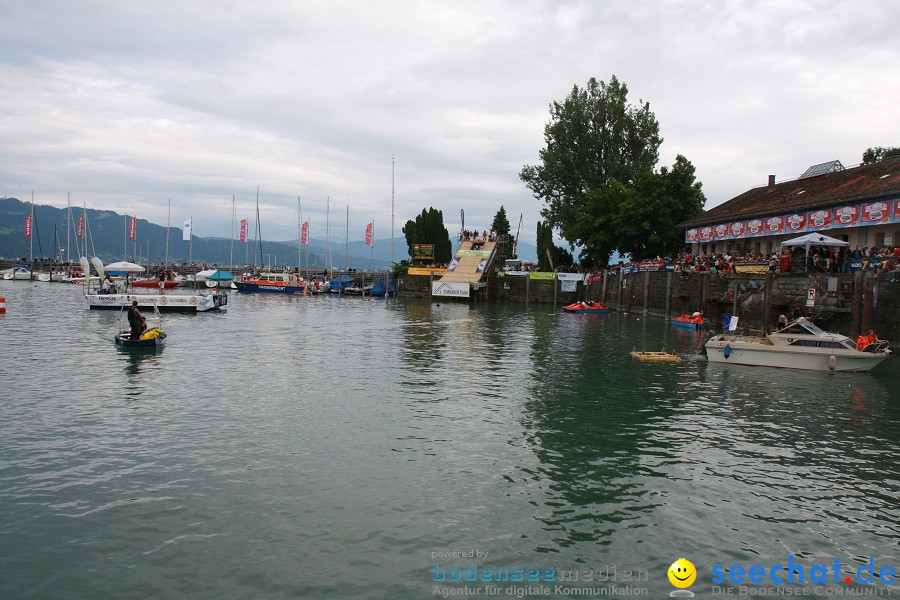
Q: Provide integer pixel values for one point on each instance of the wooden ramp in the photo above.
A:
(469, 257)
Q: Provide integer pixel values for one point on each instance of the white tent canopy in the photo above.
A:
(814, 239)
(127, 267)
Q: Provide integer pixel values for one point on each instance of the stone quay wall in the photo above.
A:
(847, 303)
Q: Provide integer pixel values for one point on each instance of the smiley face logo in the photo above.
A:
(682, 573)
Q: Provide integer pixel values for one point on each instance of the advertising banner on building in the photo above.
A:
(692, 235)
(845, 216)
(874, 213)
(774, 225)
(818, 219)
(754, 227)
(720, 232)
(795, 223)
(736, 230)
(705, 234)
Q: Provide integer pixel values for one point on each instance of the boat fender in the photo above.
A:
(832, 362)
(727, 351)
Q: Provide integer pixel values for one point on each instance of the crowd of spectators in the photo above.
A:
(821, 259)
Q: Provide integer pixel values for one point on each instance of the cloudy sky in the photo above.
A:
(126, 105)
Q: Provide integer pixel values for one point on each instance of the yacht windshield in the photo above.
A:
(810, 327)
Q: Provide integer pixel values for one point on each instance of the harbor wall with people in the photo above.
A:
(847, 303)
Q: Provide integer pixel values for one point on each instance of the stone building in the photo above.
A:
(860, 205)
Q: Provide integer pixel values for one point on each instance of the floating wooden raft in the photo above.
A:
(655, 356)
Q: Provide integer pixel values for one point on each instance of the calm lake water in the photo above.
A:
(333, 447)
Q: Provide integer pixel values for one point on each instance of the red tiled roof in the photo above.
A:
(865, 183)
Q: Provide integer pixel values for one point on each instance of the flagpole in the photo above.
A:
(373, 245)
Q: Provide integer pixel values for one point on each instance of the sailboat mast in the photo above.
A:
(347, 243)
(392, 211)
(68, 227)
(258, 230)
(328, 234)
(299, 231)
(231, 256)
(168, 221)
(31, 238)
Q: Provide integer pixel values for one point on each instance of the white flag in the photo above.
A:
(732, 325)
(186, 236)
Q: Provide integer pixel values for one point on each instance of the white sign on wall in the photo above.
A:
(448, 288)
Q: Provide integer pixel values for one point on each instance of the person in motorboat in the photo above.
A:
(869, 342)
(108, 286)
(136, 321)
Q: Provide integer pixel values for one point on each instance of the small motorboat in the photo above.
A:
(152, 338)
(688, 321)
(587, 307)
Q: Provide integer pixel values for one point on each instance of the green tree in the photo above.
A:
(560, 256)
(500, 224)
(648, 213)
(878, 154)
(428, 228)
(593, 136)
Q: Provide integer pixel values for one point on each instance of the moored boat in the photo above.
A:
(164, 302)
(18, 274)
(688, 321)
(271, 283)
(799, 345)
(588, 307)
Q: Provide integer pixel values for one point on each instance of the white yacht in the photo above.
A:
(800, 345)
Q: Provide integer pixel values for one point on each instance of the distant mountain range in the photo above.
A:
(107, 237)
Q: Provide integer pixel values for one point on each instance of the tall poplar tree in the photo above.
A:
(593, 137)
(428, 228)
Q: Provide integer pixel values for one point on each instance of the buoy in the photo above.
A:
(832, 362)
(2, 305)
(727, 351)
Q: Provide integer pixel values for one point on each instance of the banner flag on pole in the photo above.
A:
(132, 228)
(304, 233)
(81, 226)
(369, 233)
(243, 230)
(186, 235)
(28, 226)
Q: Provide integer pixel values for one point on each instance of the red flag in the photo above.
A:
(81, 226)
(369, 232)
(243, 230)
(132, 228)
(28, 226)
(304, 233)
